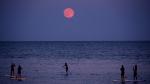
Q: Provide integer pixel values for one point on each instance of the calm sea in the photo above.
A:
(90, 62)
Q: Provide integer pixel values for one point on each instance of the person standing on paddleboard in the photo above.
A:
(66, 67)
(12, 72)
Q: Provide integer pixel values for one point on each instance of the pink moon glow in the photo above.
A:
(68, 12)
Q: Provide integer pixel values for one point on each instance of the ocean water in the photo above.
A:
(89, 62)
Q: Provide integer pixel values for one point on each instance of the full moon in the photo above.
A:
(68, 12)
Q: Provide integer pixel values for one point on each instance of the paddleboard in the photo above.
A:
(18, 78)
(10, 76)
(129, 80)
(15, 78)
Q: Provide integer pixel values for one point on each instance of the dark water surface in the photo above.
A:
(89, 62)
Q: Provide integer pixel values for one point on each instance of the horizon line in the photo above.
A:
(81, 41)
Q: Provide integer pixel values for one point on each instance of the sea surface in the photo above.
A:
(90, 62)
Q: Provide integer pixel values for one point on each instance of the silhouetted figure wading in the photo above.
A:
(135, 72)
(12, 72)
(122, 69)
(19, 71)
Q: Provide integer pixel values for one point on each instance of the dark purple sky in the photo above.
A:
(94, 20)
